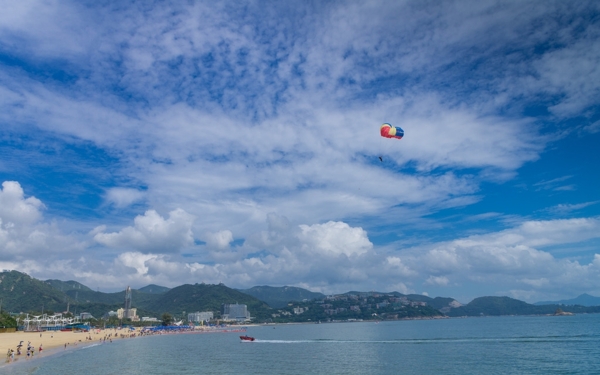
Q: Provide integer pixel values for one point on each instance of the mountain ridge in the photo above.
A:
(280, 296)
(23, 293)
(582, 300)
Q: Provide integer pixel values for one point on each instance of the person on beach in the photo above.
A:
(40, 349)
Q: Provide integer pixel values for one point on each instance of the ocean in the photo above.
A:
(483, 345)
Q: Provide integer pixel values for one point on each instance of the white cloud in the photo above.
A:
(241, 118)
(23, 232)
(573, 72)
(396, 268)
(593, 128)
(123, 197)
(333, 239)
(437, 280)
(152, 233)
(563, 208)
(334, 256)
(514, 257)
(219, 240)
(15, 208)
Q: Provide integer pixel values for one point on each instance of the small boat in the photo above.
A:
(247, 338)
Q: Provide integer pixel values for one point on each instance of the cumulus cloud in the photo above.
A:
(24, 233)
(515, 256)
(219, 240)
(152, 233)
(15, 208)
(334, 256)
(333, 239)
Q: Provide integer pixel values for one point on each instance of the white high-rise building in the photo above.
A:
(198, 316)
(235, 312)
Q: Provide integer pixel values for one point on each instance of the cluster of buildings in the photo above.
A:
(229, 312)
(366, 302)
(338, 304)
(128, 312)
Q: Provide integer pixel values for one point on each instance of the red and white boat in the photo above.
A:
(247, 338)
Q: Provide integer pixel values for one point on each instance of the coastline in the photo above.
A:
(54, 342)
(51, 342)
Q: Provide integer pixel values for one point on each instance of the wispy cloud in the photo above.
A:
(556, 184)
(561, 209)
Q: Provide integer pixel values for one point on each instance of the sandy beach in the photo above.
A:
(50, 340)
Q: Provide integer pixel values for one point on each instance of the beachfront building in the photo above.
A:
(235, 312)
(128, 314)
(198, 316)
(149, 319)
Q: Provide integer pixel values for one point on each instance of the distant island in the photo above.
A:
(22, 294)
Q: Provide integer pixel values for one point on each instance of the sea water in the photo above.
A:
(483, 345)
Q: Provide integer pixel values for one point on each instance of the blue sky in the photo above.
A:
(174, 142)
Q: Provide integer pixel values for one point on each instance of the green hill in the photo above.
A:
(509, 306)
(280, 296)
(154, 289)
(21, 292)
(582, 300)
(206, 297)
(138, 299)
(64, 286)
(438, 303)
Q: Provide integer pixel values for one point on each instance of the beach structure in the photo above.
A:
(237, 312)
(46, 322)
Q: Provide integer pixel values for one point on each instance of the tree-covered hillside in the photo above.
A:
(21, 292)
(356, 306)
(280, 296)
(206, 297)
(154, 289)
(64, 286)
(138, 299)
(509, 306)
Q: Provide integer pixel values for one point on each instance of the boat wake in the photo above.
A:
(482, 340)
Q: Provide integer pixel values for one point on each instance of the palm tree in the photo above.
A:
(167, 319)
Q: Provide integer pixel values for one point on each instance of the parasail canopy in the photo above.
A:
(389, 131)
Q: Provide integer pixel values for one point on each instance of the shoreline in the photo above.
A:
(56, 342)
(52, 342)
